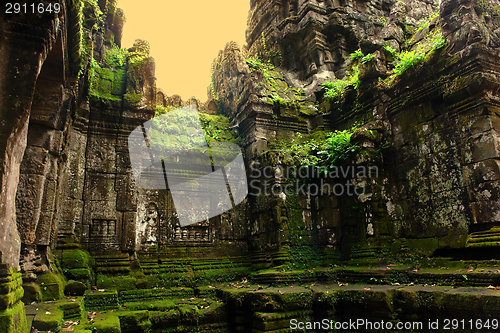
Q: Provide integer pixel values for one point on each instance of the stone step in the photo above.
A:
(112, 264)
(485, 238)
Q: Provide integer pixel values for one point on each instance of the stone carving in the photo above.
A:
(147, 228)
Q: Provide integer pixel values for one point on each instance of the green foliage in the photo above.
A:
(338, 147)
(367, 58)
(299, 91)
(406, 60)
(411, 59)
(323, 151)
(272, 58)
(215, 127)
(334, 88)
(265, 61)
(256, 63)
(278, 100)
(132, 98)
(428, 20)
(357, 54)
(115, 57)
(160, 109)
(438, 42)
(390, 50)
(94, 76)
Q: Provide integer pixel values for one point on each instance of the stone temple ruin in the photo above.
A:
(369, 136)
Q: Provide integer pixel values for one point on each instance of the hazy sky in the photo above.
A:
(185, 37)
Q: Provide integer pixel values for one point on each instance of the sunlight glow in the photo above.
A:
(185, 37)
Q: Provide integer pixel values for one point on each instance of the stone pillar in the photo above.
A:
(12, 314)
(19, 68)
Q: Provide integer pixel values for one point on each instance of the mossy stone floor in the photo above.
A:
(249, 307)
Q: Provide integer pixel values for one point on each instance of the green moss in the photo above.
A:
(118, 86)
(488, 7)
(32, 293)
(151, 305)
(107, 82)
(106, 323)
(107, 74)
(52, 286)
(115, 58)
(11, 291)
(75, 258)
(13, 320)
(75, 288)
(90, 13)
(215, 128)
(120, 282)
(81, 274)
(131, 99)
(134, 321)
(100, 300)
(48, 319)
(426, 245)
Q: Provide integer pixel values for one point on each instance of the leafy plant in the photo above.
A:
(438, 42)
(265, 61)
(115, 57)
(356, 55)
(256, 63)
(427, 21)
(323, 152)
(334, 88)
(406, 60)
(410, 59)
(367, 58)
(338, 147)
(94, 77)
(299, 91)
(390, 50)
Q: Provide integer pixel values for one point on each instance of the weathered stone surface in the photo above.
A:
(431, 131)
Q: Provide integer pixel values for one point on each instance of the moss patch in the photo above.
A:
(134, 321)
(48, 318)
(100, 300)
(120, 282)
(75, 258)
(32, 293)
(52, 286)
(75, 288)
(14, 319)
(106, 323)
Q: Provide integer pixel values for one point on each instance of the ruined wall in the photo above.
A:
(70, 97)
(34, 77)
(436, 122)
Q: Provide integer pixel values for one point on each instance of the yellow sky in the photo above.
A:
(185, 37)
